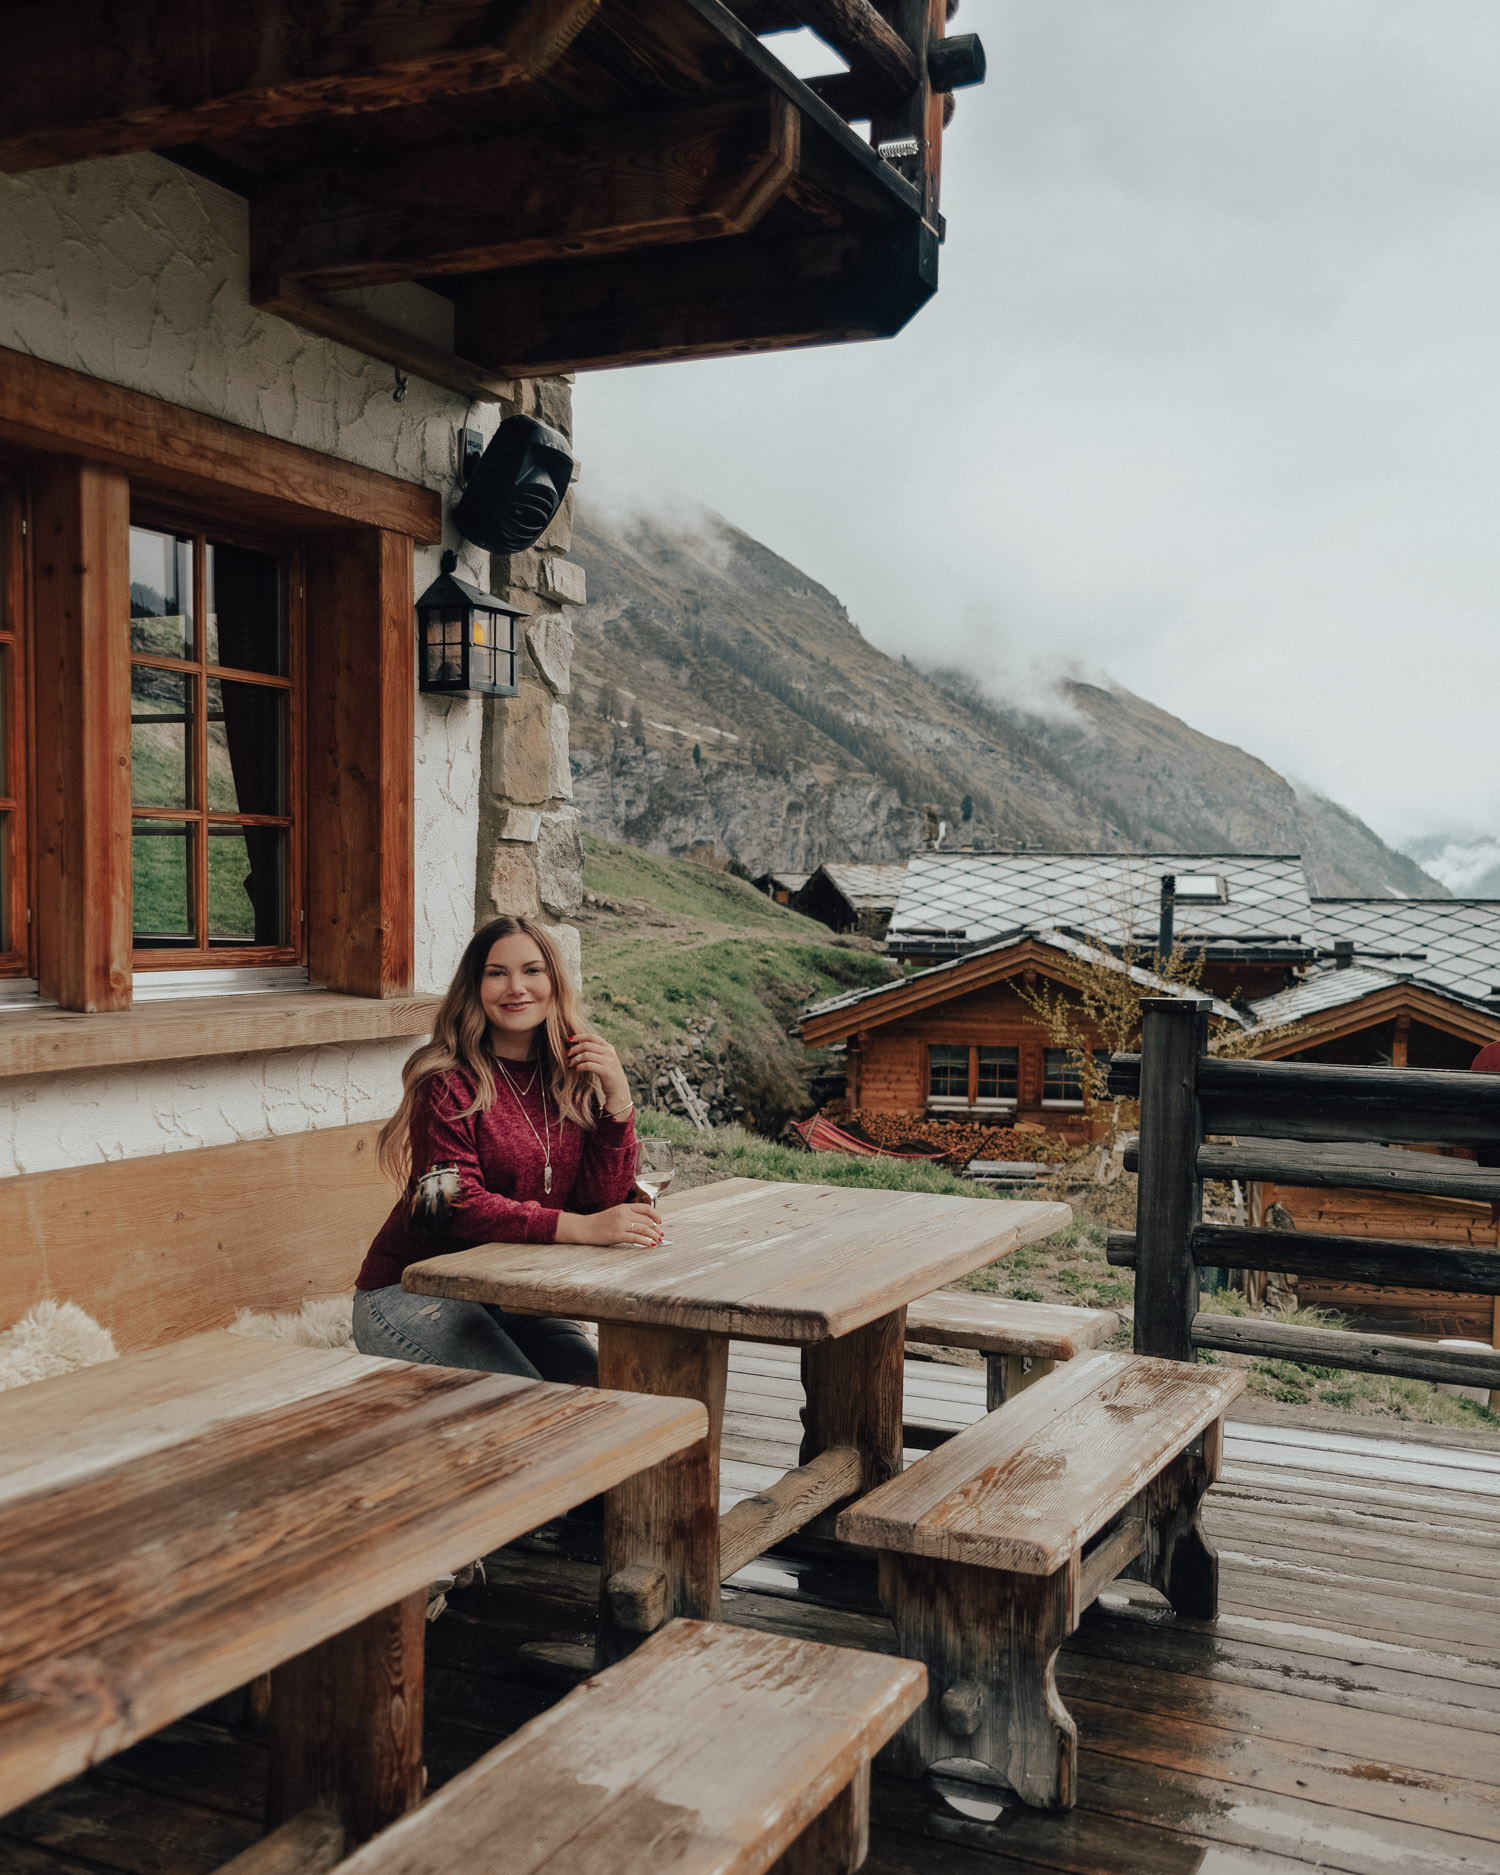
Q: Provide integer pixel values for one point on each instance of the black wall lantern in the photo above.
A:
(515, 488)
(466, 639)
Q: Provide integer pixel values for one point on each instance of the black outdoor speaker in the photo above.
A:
(516, 488)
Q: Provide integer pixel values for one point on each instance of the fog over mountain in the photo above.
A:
(725, 701)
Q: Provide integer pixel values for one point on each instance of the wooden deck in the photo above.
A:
(1343, 1713)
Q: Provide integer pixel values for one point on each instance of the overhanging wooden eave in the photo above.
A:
(914, 995)
(539, 162)
(1400, 999)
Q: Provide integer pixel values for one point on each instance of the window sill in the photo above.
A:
(1062, 1106)
(54, 1041)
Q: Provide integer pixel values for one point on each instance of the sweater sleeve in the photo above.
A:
(606, 1171)
(439, 1136)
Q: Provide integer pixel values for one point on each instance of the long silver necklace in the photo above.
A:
(544, 1138)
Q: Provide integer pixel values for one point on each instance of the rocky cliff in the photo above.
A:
(725, 703)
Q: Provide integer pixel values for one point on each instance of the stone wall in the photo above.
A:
(136, 272)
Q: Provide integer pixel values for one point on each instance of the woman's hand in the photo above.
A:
(591, 1054)
(634, 1225)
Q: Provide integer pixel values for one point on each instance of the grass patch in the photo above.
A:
(644, 990)
(735, 1152)
(685, 889)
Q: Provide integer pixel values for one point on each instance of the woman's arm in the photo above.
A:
(606, 1170)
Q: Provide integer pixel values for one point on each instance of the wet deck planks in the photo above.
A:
(1343, 1713)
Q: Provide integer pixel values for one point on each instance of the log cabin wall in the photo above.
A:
(131, 272)
(1402, 1041)
(892, 1060)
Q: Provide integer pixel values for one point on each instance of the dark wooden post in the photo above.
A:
(1169, 1200)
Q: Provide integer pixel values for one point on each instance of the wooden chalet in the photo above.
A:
(851, 896)
(960, 1040)
(1360, 1016)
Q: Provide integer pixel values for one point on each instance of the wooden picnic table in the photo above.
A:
(827, 1268)
(175, 1523)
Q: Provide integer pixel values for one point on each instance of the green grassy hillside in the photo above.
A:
(676, 952)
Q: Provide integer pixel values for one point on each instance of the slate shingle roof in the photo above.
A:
(970, 898)
(1451, 943)
(867, 886)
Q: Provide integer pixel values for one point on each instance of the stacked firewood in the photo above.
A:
(961, 1140)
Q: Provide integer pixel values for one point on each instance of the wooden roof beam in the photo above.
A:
(702, 300)
(541, 194)
(91, 78)
(875, 51)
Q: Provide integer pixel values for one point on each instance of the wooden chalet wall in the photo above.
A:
(1399, 1039)
(888, 1064)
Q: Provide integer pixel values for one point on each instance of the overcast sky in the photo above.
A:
(1208, 400)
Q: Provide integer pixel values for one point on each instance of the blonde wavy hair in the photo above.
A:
(459, 1040)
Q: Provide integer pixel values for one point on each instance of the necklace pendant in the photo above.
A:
(547, 1177)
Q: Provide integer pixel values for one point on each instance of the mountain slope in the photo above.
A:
(723, 700)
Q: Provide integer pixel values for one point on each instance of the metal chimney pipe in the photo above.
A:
(1343, 953)
(1168, 913)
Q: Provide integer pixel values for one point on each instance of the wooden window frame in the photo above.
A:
(289, 553)
(1061, 1106)
(92, 452)
(18, 958)
(971, 1103)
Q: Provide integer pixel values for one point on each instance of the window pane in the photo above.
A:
(161, 750)
(999, 1073)
(161, 871)
(7, 834)
(161, 593)
(7, 780)
(246, 885)
(244, 627)
(1062, 1075)
(948, 1072)
(246, 748)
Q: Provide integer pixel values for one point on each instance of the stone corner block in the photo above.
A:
(519, 823)
(559, 861)
(562, 767)
(513, 882)
(523, 755)
(564, 580)
(549, 639)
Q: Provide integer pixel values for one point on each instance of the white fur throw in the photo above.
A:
(51, 1338)
(325, 1323)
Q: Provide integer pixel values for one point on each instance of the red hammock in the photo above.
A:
(820, 1135)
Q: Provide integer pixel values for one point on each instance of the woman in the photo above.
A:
(533, 1113)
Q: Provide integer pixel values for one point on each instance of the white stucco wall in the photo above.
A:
(48, 1121)
(137, 273)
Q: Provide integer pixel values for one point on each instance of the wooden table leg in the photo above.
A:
(853, 1386)
(346, 1723)
(661, 1527)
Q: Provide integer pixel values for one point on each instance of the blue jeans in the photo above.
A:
(443, 1333)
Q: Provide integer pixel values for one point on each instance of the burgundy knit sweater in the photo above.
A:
(500, 1166)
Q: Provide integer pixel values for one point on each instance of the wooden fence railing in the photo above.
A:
(1297, 1124)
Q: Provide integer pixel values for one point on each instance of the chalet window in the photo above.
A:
(948, 1073)
(963, 1077)
(215, 873)
(998, 1075)
(1062, 1078)
(13, 901)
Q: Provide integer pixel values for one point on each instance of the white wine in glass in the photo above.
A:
(654, 1167)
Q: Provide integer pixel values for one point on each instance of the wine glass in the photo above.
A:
(654, 1167)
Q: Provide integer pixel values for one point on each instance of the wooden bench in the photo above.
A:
(993, 1546)
(1021, 1341)
(711, 1749)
